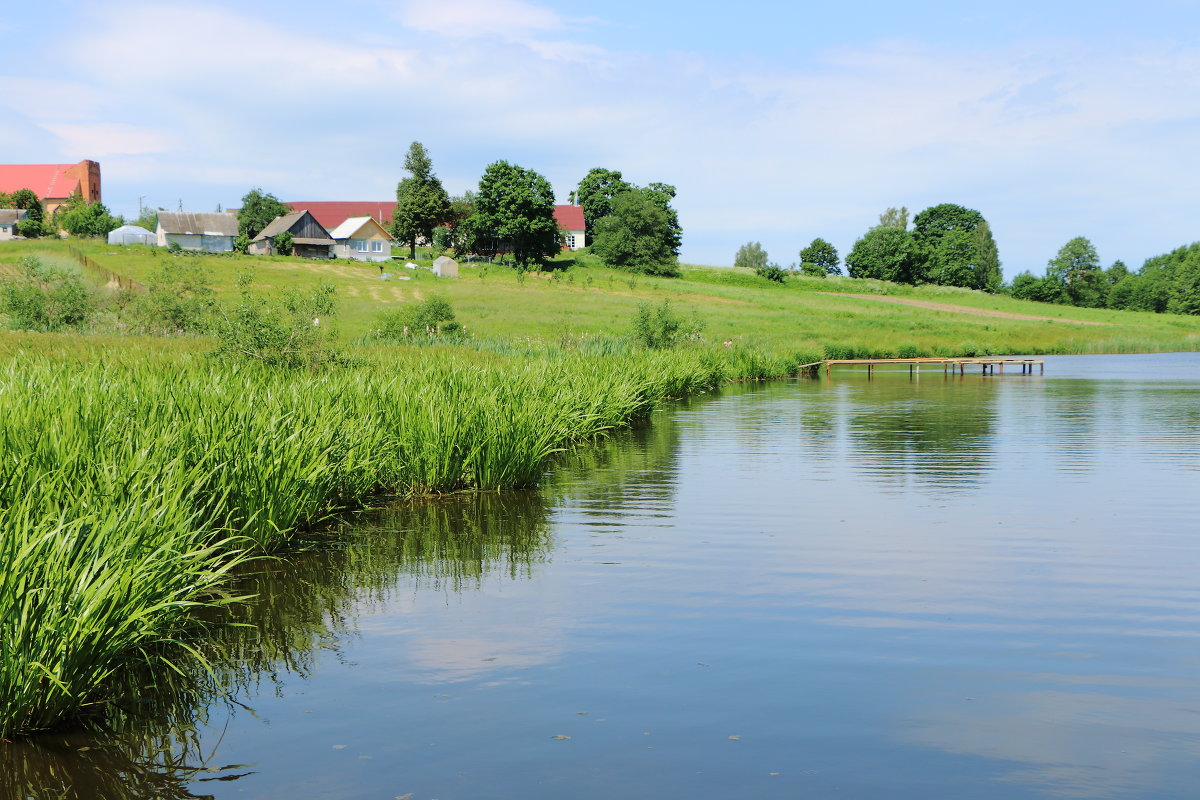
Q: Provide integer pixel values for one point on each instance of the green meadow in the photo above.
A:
(136, 472)
(581, 298)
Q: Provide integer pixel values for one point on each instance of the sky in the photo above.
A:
(777, 122)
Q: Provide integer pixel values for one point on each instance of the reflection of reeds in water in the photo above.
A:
(144, 744)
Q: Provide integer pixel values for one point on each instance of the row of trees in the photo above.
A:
(76, 216)
(1165, 283)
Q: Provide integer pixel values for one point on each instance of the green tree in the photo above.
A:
(87, 219)
(955, 250)
(258, 210)
(27, 200)
(461, 209)
(421, 202)
(1026, 286)
(662, 194)
(886, 253)
(147, 219)
(1077, 269)
(820, 258)
(894, 218)
(595, 194)
(639, 235)
(515, 206)
(750, 256)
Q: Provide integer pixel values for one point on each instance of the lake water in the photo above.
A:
(964, 587)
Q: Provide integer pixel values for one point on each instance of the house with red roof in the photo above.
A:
(570, 220)
(53, 183)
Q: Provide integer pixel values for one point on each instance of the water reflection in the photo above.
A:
(148, 745)
(932, 436)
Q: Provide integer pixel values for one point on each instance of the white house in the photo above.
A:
(9, 218)
(361, 238)
(212, 233)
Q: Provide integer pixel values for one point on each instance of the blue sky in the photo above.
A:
(778, 123)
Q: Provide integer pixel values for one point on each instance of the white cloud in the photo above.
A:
(471, 18)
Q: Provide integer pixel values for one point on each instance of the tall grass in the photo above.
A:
(128, 491)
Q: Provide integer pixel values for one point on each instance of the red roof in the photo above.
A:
(46, 180)
(333, 213)
(569, 218)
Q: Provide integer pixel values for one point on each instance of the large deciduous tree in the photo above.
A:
(887, 253)
(1077, 269)
(515, 205)
(421, 202)
(642, 233)
(257, 211)
(595, 194)
(957, 247)
(27, 200)
(820, 259)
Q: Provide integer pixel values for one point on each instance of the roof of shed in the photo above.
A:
(198, 224)
(11, 216)
(354, 225)
(284, 223)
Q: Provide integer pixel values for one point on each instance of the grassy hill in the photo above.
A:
(581, 298)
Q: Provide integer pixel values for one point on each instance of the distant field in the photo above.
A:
(584, 298)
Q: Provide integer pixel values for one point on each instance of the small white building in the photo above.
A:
(363, 239)
(9, 219)
(445, 267)
(211, 233)
(132, 234)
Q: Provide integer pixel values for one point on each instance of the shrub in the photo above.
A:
(179, 300)
(430, 317)
(43, 298)
(772, 272)
(659, 327)
(284, 244)
(296, 332)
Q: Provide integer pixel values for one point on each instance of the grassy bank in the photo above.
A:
(582, 298)
(127, 490)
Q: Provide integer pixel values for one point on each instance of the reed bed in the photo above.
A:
(128, 492)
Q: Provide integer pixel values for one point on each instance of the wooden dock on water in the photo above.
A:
(988, 364)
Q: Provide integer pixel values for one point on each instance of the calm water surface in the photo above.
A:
(981, 587)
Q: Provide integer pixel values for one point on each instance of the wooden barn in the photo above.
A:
(309, 238)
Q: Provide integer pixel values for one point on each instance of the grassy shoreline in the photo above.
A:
(128, 490)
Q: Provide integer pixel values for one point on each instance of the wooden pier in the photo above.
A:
(988, 364)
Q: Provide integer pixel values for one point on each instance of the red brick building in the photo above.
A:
(53, 183)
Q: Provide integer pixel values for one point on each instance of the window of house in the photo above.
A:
(360, 245)
(376, 246)
(571, 240)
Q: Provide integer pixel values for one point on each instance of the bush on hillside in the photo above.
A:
(429, 318)
(660, 327)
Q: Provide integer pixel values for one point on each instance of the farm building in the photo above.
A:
(309, 238)
(210, 233)
(361, 238)
(9, 219)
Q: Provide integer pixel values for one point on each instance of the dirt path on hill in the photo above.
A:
(978, 312)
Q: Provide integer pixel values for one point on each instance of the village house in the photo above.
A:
(209, 233)
(309, 238)
(53, 183)
(9, 219)
(361, 238)
(570, 222)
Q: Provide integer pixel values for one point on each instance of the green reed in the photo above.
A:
(127, 491)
